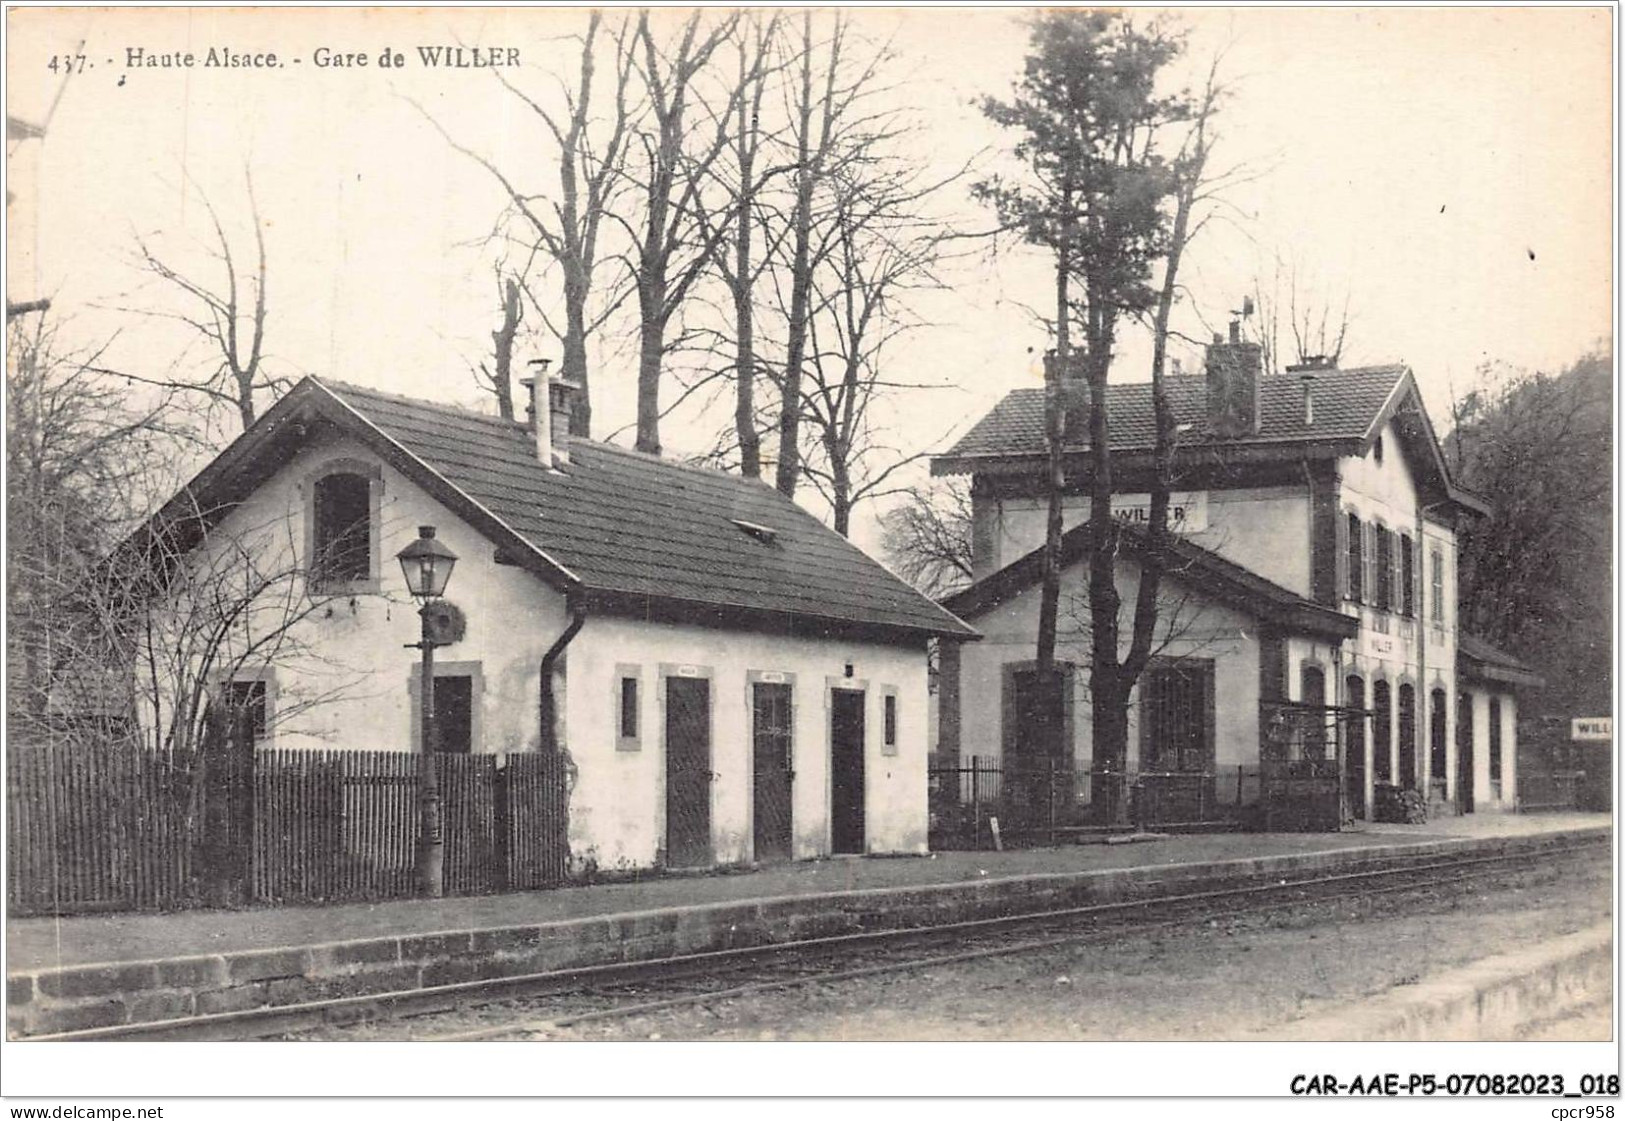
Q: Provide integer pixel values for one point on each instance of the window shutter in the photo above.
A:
(1343, 556)
(1371, 540)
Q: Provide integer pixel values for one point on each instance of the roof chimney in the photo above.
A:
(1233, 399)
(540, 410)
(563, 397)
(1308, 372)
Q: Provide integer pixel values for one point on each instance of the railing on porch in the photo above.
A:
(1300, 759)
(982, 802)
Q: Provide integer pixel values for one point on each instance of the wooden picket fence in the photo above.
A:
(124, 830)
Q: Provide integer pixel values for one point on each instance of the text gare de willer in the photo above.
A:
(324, 58)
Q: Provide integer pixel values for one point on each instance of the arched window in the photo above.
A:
(1407, 736)
(1381, 717)
(343, 532)
(1436, 722)
(1354, 693)
(1314, 727)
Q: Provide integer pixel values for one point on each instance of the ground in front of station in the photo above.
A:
(1232, 978)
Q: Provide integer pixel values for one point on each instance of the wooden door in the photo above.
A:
(1356, 724)
(1464, 752)
(771, 770)
(454, 714)
(846, 763)
(688, 772)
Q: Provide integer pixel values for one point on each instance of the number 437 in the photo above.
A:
(66, 63)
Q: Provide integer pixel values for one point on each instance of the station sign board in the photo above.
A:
(1187, 510)
(1591, 729)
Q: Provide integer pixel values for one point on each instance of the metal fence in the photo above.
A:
(982, 802)
(137, 830)
(1550, 791)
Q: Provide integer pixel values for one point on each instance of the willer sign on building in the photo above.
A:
(1187, 512)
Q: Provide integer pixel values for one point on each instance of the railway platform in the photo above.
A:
(96, 972)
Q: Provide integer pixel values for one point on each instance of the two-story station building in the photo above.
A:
(1308, 612)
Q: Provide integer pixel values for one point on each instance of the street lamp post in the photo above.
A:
(427, 565)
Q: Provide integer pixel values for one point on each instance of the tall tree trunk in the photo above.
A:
(651, 349)
(502, 349)
(808, 160)
(573, 368)
(750, 443)
(1049, 601)
(1108, 697)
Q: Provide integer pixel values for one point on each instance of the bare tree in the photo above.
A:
(497, 378)
(927, 537)
(828, 128)
(224, 306)
(1319, 327)
(82, 461)
(739, 270)
(567, 226)
(878, 251)
(673, 245)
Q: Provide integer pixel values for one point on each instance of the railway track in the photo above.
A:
(906, 951)
(538, 1004)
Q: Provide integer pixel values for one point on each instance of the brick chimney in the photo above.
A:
(1233, 371)
(564, 397)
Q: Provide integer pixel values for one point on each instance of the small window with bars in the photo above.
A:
(248, 710)
(628, 714)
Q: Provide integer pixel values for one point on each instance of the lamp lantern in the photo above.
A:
(427, 563)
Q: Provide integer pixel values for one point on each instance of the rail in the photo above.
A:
(801, 957)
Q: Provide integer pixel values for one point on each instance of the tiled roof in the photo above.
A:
(1189, 563)
(1489, 663)
(634, 525)
(1346, 403)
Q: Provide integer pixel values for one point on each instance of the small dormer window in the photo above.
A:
(762, 533)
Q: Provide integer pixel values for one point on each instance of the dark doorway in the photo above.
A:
(1355, 692)
(1382, 715)
(1407, 737)
(1464, 752)
(1437, 769)
(454, 714)
(688, 772)
(846, 763)
(771, 740)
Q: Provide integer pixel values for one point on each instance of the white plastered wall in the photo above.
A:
(617, 810)
(1203, 629)
(343, 680)
(357, 658)
(1261, 528)
(1389, 646)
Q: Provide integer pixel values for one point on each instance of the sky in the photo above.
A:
(1446, 171)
